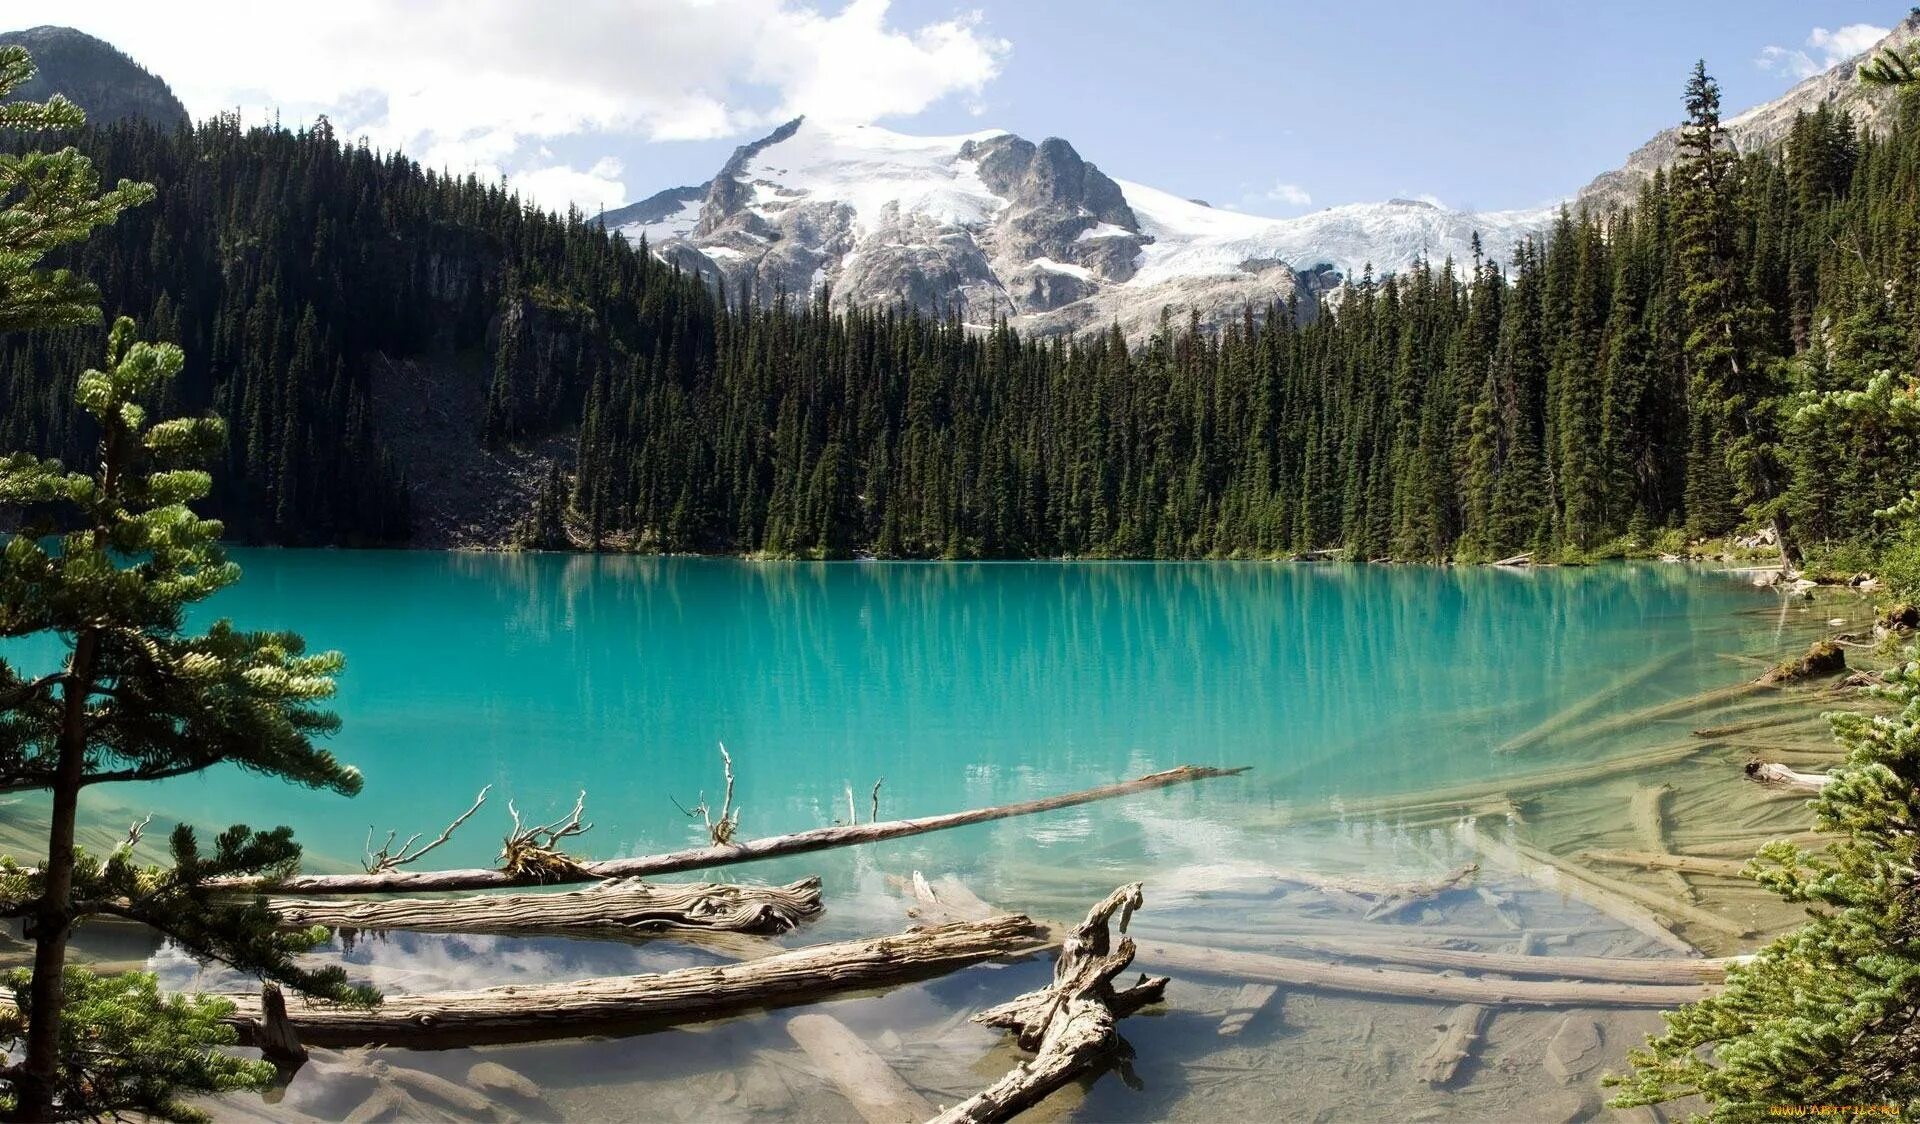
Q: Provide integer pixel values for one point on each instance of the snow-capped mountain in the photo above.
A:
(1766, 125)
(996, 225)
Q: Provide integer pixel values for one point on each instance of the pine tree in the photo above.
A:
(107, 561)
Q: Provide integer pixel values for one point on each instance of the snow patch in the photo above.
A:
(868, 169)
(679, 224)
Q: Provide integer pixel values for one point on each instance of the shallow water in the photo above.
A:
(962, 685)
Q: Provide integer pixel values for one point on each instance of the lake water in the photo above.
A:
(956, 686)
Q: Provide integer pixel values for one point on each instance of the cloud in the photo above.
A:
(480, 85)
(1824, 50)
(1292, 194)
(558, 185)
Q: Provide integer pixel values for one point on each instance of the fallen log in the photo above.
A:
(1676, 708)
(1659, 903)
(1645, 673)
(1822, 657)
(1780, 776)
(701, 858)
(1071, 1024)
(522, 1012)
(1747, 846)
(1558, 877)
(1663, 860)
(1185, 959)
(870, 1085)
(1458, 1036)
(1589, 969)
(1247, 1002)
(1412, 894)
(1525, 559)
(1468, 797)
(1650, 823)
(623, 907)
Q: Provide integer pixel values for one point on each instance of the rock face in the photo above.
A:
(94, 75)
(992, 225)
(1765, 126)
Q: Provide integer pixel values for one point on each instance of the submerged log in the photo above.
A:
(1249, 1001)
(1071, 1024)
(1659, 903)
(700, 858)
(1774, 773)
(1590, 969)
(1676, 708)
(1662, 860)
(1562, 878)
(1650, 823)
(1458, 1036)
(1747, 846)
(1392, 983)
(623, 907)
(1822, 657)
(870, 1085)
(522, 1012)
(1646, 673)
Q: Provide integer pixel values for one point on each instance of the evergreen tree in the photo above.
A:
(108, 560)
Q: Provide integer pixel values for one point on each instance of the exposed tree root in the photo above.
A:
(1069, 1024)
(1780, 776)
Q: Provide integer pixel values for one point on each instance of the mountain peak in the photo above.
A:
(96, 76)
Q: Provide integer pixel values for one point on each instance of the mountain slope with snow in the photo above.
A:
(996, 226)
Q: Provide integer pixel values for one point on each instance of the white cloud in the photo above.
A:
(477, 85)
(558, 185)
(1292, 194)
(1824, 50)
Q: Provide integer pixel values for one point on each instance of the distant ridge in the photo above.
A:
(96, 76)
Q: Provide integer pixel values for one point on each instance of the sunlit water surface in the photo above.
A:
(955, 686)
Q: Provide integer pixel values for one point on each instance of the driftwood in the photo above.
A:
(1071, 1023)
(1589, 969)
(519, 1013)
(1517, 560)
(1412, 894)
(1560, 877)
(1458, 1036)
(1650, 824)
(1662, 860)
(700, 858)
(1780, 776)
(1430, 987)
(870, 1085)
(622, 907)
(1645, 673)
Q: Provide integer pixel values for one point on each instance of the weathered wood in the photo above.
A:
(1411, 894)
(1662, 860)
(1650, 824)
(1748, 846)
(1559, 877)
(1659, 903)
(701, 858)
(1247, 1002)
(870, 1085)
(1458, 1036)
(1525, 559)
(273, 1033)
(622, 907)
(1780, 776)
(1468, 797)
(1677, 708)
(1285, 971)
(1071, 1023)
(687, 995)
(1590, 969)
(1639, 677)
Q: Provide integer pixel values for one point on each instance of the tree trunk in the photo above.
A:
(540, 1012)
(622, 908)
(52, 923)
(701, 858)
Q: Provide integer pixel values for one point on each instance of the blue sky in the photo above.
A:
(1276, 107)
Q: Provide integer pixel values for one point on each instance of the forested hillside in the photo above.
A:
(1647, 370)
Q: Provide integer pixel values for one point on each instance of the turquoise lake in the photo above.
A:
(957, 686)
(954, 685)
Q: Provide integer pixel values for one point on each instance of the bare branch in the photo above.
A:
(134, 832)
(875, 816)
(721, 831)
(535, 851)
(386, 858)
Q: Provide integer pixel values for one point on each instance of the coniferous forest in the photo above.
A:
(1666, 369)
